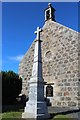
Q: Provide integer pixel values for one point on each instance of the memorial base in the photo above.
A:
(38, 110)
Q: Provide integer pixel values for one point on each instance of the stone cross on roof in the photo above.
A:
(38, 33)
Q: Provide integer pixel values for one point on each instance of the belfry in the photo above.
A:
(50, 13)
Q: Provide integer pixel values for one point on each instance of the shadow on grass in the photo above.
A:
(14, 108)
(52, 115)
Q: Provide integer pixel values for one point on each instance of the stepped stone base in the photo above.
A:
(31, 116)
(28, 115)
(40, 109)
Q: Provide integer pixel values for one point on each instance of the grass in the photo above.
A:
(12, 115)
(62, 117)
(17, 115)
(0, 116)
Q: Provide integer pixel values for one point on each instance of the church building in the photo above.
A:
(60, 63)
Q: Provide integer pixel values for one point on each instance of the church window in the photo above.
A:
(48, 54)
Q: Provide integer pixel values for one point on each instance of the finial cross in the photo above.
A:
(38, 33)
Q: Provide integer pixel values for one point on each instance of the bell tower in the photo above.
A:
(50, 13)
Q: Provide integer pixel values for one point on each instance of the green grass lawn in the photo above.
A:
(0, 116)
(62, 117)
(12, 115)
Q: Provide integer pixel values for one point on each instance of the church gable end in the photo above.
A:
(60, 63)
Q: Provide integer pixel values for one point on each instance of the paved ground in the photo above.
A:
(65, 111)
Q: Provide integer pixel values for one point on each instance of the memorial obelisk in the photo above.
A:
(36, 106)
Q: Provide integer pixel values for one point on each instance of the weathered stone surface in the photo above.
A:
(67, 98)
(66, 93)
(61, 62)
(71, 104)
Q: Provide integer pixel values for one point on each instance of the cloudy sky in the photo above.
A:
(20, 20)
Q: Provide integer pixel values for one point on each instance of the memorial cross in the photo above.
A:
(38, 33)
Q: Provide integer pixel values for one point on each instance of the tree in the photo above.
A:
(11, 87)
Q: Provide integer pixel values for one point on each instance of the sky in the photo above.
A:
(19, 22)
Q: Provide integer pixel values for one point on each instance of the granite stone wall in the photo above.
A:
(60, 57)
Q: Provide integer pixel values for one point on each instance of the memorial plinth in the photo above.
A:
(36, 106)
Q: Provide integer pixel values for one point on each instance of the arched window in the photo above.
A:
(47, 14)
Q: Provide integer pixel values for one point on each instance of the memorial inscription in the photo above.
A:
(49, 91)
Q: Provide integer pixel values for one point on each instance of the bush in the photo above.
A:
(11, 87)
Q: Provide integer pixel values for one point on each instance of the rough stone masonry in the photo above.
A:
(61, 62)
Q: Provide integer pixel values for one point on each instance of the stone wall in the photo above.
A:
(60, 57)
